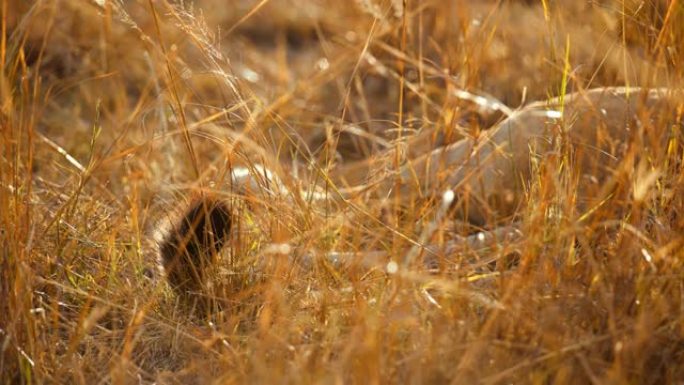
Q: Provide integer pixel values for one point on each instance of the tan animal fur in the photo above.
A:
(492, 172)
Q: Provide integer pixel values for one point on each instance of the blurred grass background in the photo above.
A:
(115, 113)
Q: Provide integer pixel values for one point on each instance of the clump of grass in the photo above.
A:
(115, 114)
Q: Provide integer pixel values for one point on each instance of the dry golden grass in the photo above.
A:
(115, 114)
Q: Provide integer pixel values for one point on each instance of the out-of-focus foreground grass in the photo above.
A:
(115, 113)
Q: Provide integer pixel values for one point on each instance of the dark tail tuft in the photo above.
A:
(191, 244)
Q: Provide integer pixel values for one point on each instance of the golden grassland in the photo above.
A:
(114, 114)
